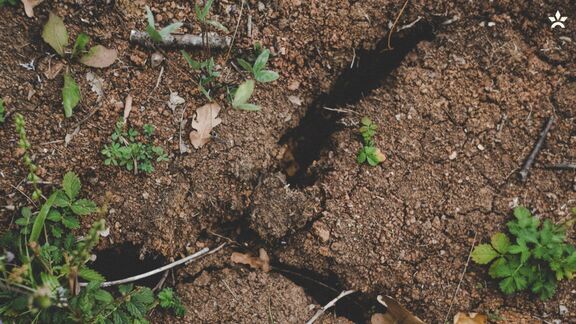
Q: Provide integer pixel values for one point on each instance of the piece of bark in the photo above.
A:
(180, 41)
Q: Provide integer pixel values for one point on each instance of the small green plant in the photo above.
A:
(537, 260)
(202, 16)
(258, 68)
(208, 75)
(369, 152)
(2, 112)
(168, 300)
(55, 34)
(40, 270)
(125, 149)
(24, 147)
(242, 95)
(158, 36)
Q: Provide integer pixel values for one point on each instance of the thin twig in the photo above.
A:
(234, 37)
(330, 304)
(563, 166)
(189, 258)
(537, 147)
(162, 280)
(179, 41)
(395, 23)
(461, 278)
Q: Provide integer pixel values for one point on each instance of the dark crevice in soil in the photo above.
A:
(123, 261)
(369, 69)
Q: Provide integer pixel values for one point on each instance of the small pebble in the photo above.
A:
(453, 155)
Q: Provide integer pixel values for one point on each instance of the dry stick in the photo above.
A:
(395, 23)
(179, 41)
(537, 147)
(330, 304)
(563, 166)
(233, 37)
(461, 277)
(189, 258)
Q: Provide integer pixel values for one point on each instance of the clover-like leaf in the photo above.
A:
(500, 242)
(484, 254)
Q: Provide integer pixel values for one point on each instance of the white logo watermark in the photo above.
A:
(557, 20)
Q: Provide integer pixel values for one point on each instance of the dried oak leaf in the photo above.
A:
(29, 6)
(396, 313)
(203, 123)
(99, 57)
(470, 318)
(261, 262)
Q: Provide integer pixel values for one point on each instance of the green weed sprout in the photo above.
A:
(208, 74)
(2, 112)
(24, 146)
(258, 68)
(127, 151)
(369, 152)
(202, 16)
(158, 36)
(536, 260)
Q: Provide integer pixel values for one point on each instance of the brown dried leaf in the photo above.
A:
(127, 107)
(54, 70)
(261, 262)
(397, 312)
(203, 123)
(99, 57)
(29, 6)
(470, 318)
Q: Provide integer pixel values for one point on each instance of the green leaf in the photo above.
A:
(205, 10)
(55, 34)
(266, 76)
(500, 242)
(62, 199)
(150, 17)
(70, 94)
(39, 222)
(80, 44)
(261, 61)
(522, 213)
(133, 310)
(99, 57)
(103, 296)
(54, 216)
(218, 25)
(361, 156)
(71, 185)
(249, 107)
(195, 65)
(245, 65)
(483, 254)
(499, 268)
(70, 222)
(166, 31)
(507, 285)
(144, 295)
(90, 275)
(125, 289)
(154, 34)
(243, 93)
(84, 207)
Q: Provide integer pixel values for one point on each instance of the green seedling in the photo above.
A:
(24, 146)
(536, 260)
(369, 152)
(8, 3)
(2, 112)
(126, 150)
(242, 95)
(169, 300)
(258, 68)
(55, 34)
(158, 36)
(202, 16)
(208, 75)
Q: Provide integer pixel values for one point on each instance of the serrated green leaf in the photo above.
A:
(90, 275)
(54, 216)
(266, 76)
(80, 44)
(83, 207)
(168, 30)
(55, 34)
(70, 222)
(500, 242)
(261, 61)
(243, 93)
(144, 295)
(483, 254)
(41, 218)
(507, 285)
(125, 289)
(103, 296)
(70, 94)
(71, 185)
(499, 268)
(133, 310)
(62, 199)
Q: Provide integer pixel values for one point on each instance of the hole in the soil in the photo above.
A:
(123, 261)
(306, 141)
(355, 307)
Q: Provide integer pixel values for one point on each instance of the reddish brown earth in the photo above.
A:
(457, 116)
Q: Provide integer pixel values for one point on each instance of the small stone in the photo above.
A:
(481, 147)
(156, 59)
(145, 195)
(563, 310)
(321, 232)
(293, 85)
(453, 155)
